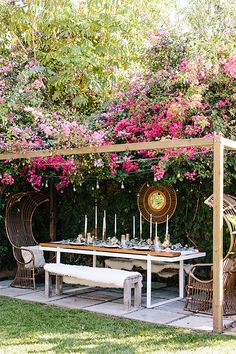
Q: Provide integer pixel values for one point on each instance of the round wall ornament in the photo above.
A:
(157, 201)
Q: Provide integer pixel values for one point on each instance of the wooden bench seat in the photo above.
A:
(93, 276)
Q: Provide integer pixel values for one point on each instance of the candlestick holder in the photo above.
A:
(157, 243)
(167, 243)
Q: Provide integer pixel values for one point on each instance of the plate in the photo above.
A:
(77, 243)
(188, 252)
(111, 246)
(142, 248)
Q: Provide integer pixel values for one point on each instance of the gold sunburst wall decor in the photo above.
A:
(158, 201)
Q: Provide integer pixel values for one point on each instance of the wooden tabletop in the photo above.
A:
(110, 249)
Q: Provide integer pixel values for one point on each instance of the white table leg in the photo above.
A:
(58, 257)
(181, 279)
(149, 282)
(94, 260)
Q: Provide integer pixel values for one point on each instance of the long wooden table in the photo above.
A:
(146, 255)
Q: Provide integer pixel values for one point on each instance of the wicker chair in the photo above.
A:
(18, 222)
(200, 292)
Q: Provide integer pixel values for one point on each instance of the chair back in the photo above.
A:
(18, 221)
(229, 208)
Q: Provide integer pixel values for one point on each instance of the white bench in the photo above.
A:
(93, 276)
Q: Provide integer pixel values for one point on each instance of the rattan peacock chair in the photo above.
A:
(200, 292)
(18, 222)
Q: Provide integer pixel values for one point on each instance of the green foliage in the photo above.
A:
(208, 23)
(84, 48)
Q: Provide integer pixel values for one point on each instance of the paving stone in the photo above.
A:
(15, 292)
(5, 283)
(230, 331)
(74, 302)
(102, 295)
(155, 285)
(40, 297)
(150, 315)
(197, 323)
(109, 308)
(174, 307)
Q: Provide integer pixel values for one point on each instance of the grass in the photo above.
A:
(36, 328)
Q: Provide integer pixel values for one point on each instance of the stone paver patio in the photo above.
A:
(110, 302)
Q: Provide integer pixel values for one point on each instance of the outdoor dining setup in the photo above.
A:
(156, 205)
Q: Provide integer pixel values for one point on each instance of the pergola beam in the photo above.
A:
(229, 144)
(153, 145)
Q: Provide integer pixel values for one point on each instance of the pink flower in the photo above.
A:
(130, 166)
(98, 163)
(191, 176)
(7, 179)
(158, 172)
(5, 69)
(122, 124)
(37, 84)
(230, 66)
(224, 103)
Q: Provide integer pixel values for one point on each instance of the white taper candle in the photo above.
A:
(140, 225)
(96, 220)
(96, 215)
(105, 224)
(150, 226)
(103, 228)
(133, 226)
(115, 225)
(85, 225)
(167, 225)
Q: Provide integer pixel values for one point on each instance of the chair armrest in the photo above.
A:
(32, 256)
(192, 270)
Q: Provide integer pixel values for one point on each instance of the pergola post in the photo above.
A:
(218, 180)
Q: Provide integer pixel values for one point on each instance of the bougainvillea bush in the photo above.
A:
(27, 125)
(178, 97)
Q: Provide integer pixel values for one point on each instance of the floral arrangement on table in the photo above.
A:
(134, 243)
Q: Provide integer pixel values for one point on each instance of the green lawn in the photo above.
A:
(35, 328)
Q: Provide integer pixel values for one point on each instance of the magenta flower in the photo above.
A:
(7, 179)
(191, 176)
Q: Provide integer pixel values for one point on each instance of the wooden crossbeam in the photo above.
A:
(153, 145)
(229, 144)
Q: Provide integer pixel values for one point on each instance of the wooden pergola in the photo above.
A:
(217, 144)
